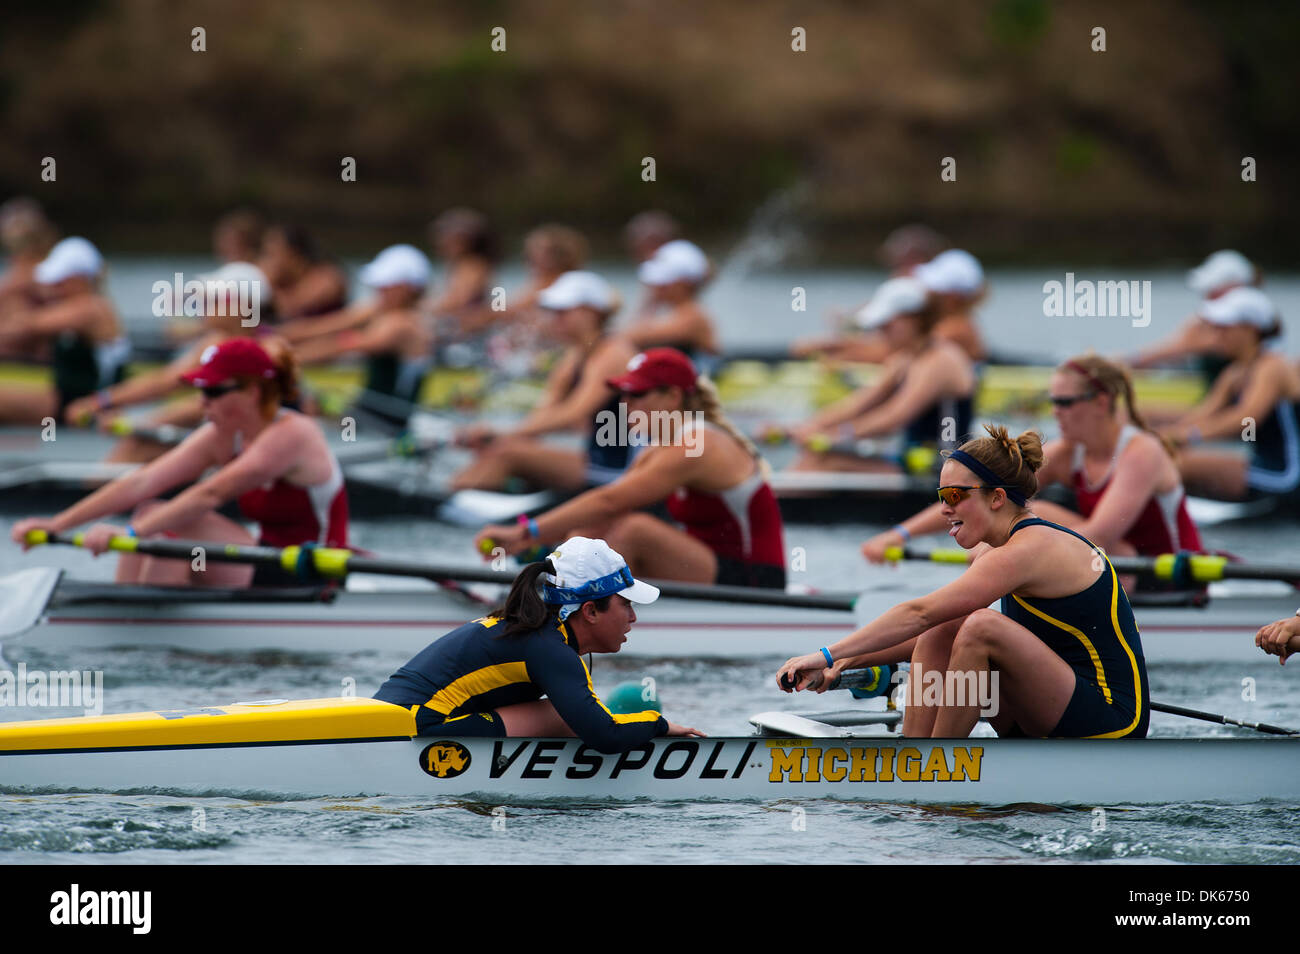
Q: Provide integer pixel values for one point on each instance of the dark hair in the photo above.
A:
(523, 611)
(480, 238)
(300, 241)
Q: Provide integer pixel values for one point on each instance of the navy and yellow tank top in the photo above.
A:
(1095, 633)
(473, 669)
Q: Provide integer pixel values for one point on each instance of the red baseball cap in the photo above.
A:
(234, 357)
(656, 368)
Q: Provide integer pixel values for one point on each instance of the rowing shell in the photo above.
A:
(87, 615)
(362, 747)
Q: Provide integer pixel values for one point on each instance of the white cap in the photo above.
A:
(72, 256)
(578, 289)
(587, 569)
(398, 265)
(1244, 305)
(1222, 269)
(676, 261)
(898, 296)
(234, 273)
(951, 272)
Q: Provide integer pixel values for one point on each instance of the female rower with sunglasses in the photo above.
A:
(1065, 647)
(697, 463)
(1125, 482)
(274, 462)
(924, 394)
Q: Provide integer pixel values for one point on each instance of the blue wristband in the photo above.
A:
(829, 661)
(902, 532)
(534, 530)
(130, 530)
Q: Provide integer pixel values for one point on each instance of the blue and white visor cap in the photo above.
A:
(898, 296)
(587, 569)
(952, 272)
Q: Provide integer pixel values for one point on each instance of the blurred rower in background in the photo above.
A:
(305, 282)
(26, 236)
(387, 330)
(78, 326)
(577, 390)
(1254, 400)
(467, 245)
(674, 277)
(924, 393)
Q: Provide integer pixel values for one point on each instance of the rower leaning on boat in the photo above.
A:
(273, 461)
(489, 677)
(689, 456)
(1126, 485)
(1065, 646)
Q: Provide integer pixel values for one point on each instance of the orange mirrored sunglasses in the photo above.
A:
(954, 494)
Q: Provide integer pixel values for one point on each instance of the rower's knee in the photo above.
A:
(981, 629)
(627, 530)
(144, 507)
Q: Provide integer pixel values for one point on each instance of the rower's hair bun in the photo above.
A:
(1015, 460)
(1025, 451)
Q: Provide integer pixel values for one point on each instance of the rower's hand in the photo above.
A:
(675, 729)
(81, 412)
(978, 551)
(805, 672)
(874, 549)
(97, 537)
(1280, 639)
(513, 539)
(20, 529)
(476, 436)
(773, 434)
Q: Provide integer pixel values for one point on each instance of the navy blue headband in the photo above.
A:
(986, 475)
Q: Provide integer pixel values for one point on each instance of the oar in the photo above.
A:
(1181, 568)
(25, 595)
(334, 563)
(870, 678)
(1222, 719)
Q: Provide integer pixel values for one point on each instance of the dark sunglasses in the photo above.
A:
(214, 391)
(1070, 400)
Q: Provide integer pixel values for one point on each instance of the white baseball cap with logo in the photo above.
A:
(398, 265)
(70, 257)
(587, 569)
(898, 296)
(577, 290)
(954, 272)
(676, 261)
(1244, 305)
(1223, 269)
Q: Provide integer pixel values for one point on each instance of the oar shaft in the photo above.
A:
(335, 563)
(1221, 719)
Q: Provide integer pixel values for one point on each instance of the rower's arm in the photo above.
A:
(853, 405)
(915, 393)
(304, 329)
(684, 324)
(575, 412)
(48, 321)
(1220, 397)
(1262, 392)
(560, 672)
(323, 284)
(182, 464)
(153, 385)
(658, 472)
(998, 572)
(271, 455)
